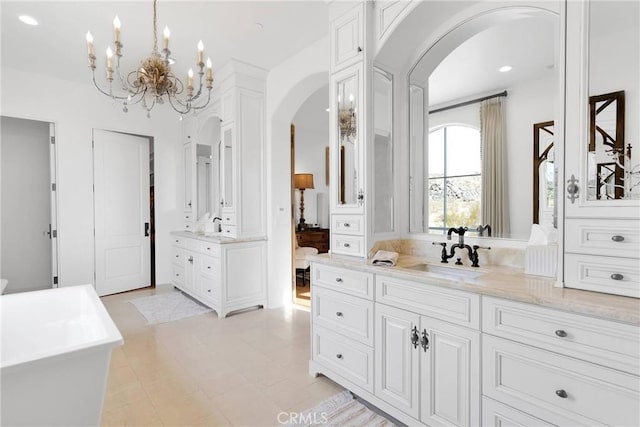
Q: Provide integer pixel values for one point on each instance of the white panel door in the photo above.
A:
(396, 358)
(449, 374)
(121, 204)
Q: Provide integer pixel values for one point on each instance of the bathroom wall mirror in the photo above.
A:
(382, 152)
(613, 161)
(512, 50)
(544, 194)
(207, 168)
(347, 89)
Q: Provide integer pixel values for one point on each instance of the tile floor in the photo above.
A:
(205, 371)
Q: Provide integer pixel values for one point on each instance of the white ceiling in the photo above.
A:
(528, 45)
(228, 29)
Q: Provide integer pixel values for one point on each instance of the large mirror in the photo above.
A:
(207, 168)
(382, 152)
(613, 160)
(348, 139)
(474, 97)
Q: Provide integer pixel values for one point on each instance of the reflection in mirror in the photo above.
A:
(544, 194)
(614, 100)
(607, 151)
(348, 139)
(382, 152)
(227, 158)
(456, 177)
(204, 177)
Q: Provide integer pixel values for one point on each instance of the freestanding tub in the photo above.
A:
(54, 357)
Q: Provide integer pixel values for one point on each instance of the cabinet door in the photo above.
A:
(449, 374)
(189, 161)
(602, 109)
(396, 358)
(347, 36)
(347, 141)
(227, 168)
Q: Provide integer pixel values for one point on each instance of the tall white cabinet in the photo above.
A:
(602, 172)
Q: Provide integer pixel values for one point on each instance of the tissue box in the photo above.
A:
(541, 260)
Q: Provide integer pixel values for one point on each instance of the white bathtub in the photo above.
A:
(54, 357)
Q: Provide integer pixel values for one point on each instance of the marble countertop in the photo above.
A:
(215, 237)
(500, 281)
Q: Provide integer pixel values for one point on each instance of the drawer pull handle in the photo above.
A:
(208, 290)
(177, 256)
(190, 259)
(339, 279)
(561, 393)
(415, 338)
(339, 356)
(561, 333)
(346, 224)
(617, 276)
(177, 275)
(177, 241)
(208, 267)
(346, 245)
(339, 314)
(424, 341)
(617, 238)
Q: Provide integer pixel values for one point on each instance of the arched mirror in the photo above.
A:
(208, 168)
(474, 96)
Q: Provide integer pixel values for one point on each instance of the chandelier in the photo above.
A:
(153, 82)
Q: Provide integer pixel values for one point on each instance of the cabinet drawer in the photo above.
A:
(347, 245)
(600, 341)
(340, 279)
(177, 256)
(229, 230)
(617, 238)
(209, 289)
(343, 314)
(620, 276)
(209, 265)
(496, 414)
(346, 357)
(454, 306)
(229, 219)
(210, 249)
(551, 385)
(179, 241)
(178, 275)
(348, 224)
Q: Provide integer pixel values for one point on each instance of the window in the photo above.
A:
(454, 182)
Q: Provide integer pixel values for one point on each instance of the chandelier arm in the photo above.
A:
(178, 110)
(203, 105)
(104, 92)
(123, 82)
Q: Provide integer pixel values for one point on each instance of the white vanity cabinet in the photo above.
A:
(223, 274)
(562, 368)
(602, 175)
(371, 334)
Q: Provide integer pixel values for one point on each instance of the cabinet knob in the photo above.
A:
(190, 259)
(339, 356)
(415, 338)
(617, 276)
(617, 238)
(208, 290)
(177, 275)
(562, 394)
(424, 340)
(359, 49)
(346, 245)
(339, 314)
(339, 279)
(561, 333)
(346, 224)
(177, 256)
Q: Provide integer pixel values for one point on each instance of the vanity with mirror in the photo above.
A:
(224, 203)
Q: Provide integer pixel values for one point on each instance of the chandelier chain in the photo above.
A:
(155, 27)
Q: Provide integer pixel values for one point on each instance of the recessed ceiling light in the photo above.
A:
(327, 110)
(505, 68)
(29, 20)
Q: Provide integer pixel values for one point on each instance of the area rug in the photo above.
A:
(338, 411)
(167, 307)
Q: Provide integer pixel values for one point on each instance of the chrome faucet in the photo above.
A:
(472, 252)
(219, 224)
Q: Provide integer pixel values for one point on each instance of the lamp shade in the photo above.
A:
(302, 181)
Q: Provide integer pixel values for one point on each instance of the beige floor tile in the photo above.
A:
(205, 371)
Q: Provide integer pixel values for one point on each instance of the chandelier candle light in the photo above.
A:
(153, 81)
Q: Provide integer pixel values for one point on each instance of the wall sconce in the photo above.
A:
(302, 181)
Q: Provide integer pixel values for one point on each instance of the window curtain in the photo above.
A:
(494, 204)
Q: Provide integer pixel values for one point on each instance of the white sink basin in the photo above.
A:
(452, 272)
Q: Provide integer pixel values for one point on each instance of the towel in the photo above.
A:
(385, 258)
